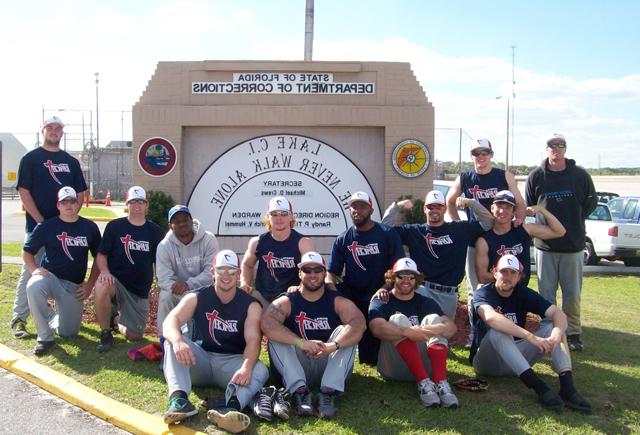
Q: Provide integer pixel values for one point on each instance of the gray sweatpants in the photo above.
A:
(448, 301)
(472, 280)
(565, 269)
(167, 301)
(21, 304)
(390, 363)
(211, 370)
(68, 308)
(299, 370)
(500, 354)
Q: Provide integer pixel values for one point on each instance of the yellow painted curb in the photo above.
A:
(112, 411)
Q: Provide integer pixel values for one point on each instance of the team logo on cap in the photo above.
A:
(157, 157)
(216, 323)
(411, 158)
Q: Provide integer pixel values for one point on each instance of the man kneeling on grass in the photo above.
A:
(502, 347)
(227, 320)
(413, 332)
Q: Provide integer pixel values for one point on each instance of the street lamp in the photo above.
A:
(506, 160)
(97, 114)
(460, 131)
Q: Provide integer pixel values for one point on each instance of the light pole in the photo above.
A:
(97, 115)
(506, 159)
(460, 131)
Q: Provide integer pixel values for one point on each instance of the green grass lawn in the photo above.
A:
(12, 249)
(607, 372)
(94, 212)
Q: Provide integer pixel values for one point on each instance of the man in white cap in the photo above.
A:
(227, 322)
(42, 172)
(503, 347)
(364, 253)
(126, 257)
(414, 331)
(567, 191)
(67, 240)
(183, 261)
(312, 336)
(276, 253)
(439, 248)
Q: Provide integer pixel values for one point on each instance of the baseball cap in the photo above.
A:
(360, 196)
(557, 137)
(505, 196)
(66, 192)
(226, 258)
(279, 203)
(481, 143)
(178, 208)
(434, 197)
(53, 120)
(509, 262)
(312, 257)
(405, 264)
(136, 192)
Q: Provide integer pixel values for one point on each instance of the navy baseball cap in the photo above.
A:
(505, 196)
(178, 208)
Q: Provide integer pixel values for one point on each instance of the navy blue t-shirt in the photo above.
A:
(415, 308)
(516, 242)
(66, 246)
(364, 256)
(440, 252)
(482, 187)
(277, 264)
(131, 253)
(43, 173)
(313, 320)
(220, 327)
(523, 300)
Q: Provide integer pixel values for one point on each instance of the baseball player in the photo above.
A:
(125, 257)
(414, 332)
(67, 240)
(227, 320)
(502, 347)
(276, 252)
(312, 337)
(364, 252)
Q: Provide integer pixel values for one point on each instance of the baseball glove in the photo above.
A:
(472, 384)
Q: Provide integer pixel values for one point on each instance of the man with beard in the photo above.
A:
(414, 333)
(312, 336)
(364, 252)
(42, 172)
(503, 347)
(276, 252)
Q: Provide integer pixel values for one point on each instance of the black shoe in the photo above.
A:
(43, 347)
(551, 400)
(19, 328)
(281, 404)
(106, 341)
(179, 409)
(262, 403)
(575, 344)
(326, 406)
(303, 403)
(577, 402)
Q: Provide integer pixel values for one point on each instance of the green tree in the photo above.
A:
(159, 205)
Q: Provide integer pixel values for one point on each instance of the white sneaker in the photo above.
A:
(228, 419)
(427, 392)
(447, 398)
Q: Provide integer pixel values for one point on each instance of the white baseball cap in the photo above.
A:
(279, 203)
(312, 257)
(136, 192)
(557, 137)
(405, 264)
(52, 120)
(509, 262)
(66, 192)
(362, 197)
(226, 258)
(481, 143)
(434, 197)
(505, 196)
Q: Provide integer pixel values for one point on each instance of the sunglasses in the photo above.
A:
(317, 269)
(556, 145)
(69, 201)
(221, 270)
(137, 201)
(481, 153)
(279, 213)
(409, 276)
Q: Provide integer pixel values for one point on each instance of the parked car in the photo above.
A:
(610, 240)
(625, 209)
(605, 197)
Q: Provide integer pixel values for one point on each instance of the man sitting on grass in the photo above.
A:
(502, 347)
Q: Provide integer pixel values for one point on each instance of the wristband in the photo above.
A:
(299, 342)
(337, 345)
(530, 337)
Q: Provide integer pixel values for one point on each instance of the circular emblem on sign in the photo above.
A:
(410, 158)
(157, 157)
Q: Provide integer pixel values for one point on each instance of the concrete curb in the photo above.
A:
(112, 411)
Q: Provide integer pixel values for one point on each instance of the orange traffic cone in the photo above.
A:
(107, 200)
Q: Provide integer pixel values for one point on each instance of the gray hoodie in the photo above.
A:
(190, 263)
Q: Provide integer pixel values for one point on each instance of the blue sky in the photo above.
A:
(577, 63)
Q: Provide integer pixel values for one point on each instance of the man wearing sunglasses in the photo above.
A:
(312, 336)
(413, 331)
(567, 191)
(67, 240)
(276, 253)
(41, 174)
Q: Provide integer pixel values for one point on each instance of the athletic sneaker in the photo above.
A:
(179, 409)
(229, 419)
(43, 347)
(281, 404)
(575, 344)
(262, 403)
(577, 402)
(302, 403)
(326, 405)
(551, 400)
(106, 341)
(428, 394)
(19, 328)
(447, 398)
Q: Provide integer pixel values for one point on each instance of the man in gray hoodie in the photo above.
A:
(183, 260)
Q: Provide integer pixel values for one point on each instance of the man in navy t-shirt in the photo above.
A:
(364, 252)
(414, 333)
(42, 172)
(126, 257)
(503, 347)
(67, 240)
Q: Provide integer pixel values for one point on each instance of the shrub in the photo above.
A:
(159, 205)
(416, 214)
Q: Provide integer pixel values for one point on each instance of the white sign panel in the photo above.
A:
(231, 197)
